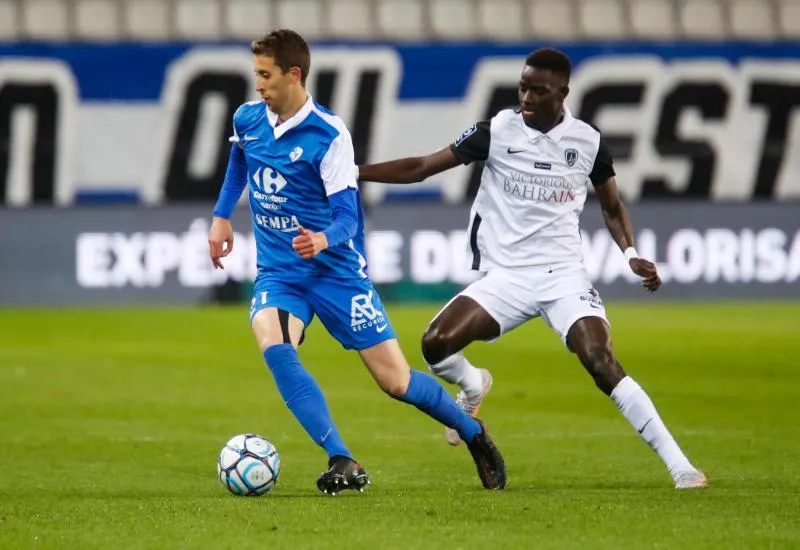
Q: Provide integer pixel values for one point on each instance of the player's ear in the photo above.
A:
(564, 91)
(296, 73)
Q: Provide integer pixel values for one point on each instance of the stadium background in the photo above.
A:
(114, 116)
(109, 104)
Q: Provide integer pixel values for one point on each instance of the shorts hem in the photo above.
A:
(577, 318)
(382, 339)
(305, 322)
(488, 310)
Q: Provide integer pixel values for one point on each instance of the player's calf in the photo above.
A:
(639, 410)
(604, 369)
(393, 384)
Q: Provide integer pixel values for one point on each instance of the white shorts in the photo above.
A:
(561, 295)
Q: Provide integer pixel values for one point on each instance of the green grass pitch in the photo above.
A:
(111, 421)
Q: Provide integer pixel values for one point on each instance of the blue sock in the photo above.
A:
(426, 394)
(304, 398)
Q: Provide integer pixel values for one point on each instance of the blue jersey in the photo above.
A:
(292, 169)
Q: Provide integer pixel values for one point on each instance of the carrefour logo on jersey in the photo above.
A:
(269, 180)
(266, 183)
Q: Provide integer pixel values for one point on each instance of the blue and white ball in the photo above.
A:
(249, 465)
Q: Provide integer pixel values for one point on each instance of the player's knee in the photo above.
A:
(436, 345)
(266, 341)
(266, 336)
(394, 386)
(395, 390)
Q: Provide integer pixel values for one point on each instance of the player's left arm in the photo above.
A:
(617, 220)
(338, 171)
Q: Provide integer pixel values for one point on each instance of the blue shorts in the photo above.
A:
(350, 309)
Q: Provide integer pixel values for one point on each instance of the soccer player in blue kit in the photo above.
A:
(298, 159)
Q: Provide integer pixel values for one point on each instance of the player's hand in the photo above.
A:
(309, 243)
(220, 240)
(646, 270)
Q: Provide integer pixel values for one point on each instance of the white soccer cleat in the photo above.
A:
(469, 406)
(693, 479)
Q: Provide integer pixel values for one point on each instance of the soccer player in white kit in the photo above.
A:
(524, 237)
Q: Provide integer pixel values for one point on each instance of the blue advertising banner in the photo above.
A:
(148, 123)
(159, 255)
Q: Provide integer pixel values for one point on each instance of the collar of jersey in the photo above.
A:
(556, 133)
(292, 122)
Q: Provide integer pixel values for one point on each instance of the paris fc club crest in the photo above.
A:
(571, 156)
(465, 134)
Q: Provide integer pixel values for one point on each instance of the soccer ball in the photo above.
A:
(248, 465)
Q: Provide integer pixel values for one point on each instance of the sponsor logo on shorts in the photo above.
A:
(363, 314)
(592, 297)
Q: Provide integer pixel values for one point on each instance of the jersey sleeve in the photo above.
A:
(233, 185)
(603, 168)
(238, 122)
(345, 217)
(235, 175)
(473, 144)
(338, 167)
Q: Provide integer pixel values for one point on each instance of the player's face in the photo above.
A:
(541, 97)
(273, 85)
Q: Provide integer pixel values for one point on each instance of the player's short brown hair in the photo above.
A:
(288, 48)
(552, 59)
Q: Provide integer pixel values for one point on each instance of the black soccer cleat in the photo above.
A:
(488, 460)
(343, 473)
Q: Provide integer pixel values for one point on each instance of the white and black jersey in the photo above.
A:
(532, 191)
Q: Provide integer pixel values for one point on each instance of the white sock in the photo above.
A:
(457, 370)
(637, 407)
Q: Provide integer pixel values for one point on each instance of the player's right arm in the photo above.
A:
(220, 236)
(472, 145)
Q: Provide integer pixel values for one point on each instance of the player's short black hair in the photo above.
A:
(288, 48)
(552, 59)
